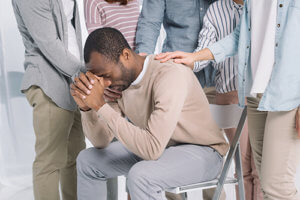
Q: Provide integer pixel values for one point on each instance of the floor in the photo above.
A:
(13, 192)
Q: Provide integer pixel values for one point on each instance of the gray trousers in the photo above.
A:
(146, 179)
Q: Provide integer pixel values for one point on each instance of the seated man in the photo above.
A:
(162, 117)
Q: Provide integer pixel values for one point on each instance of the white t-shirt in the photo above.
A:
(72, 40)
(263, 24)
(141, 75)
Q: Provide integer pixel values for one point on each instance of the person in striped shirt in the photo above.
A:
(220, 20)
(119, 14)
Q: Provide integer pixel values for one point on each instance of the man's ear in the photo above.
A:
(126, 54)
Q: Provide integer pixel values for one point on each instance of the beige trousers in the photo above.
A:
(59, 139)
(276, 150)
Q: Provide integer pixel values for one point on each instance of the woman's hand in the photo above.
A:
(179, 57)
(187, 59)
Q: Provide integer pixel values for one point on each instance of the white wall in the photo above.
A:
(16, 132)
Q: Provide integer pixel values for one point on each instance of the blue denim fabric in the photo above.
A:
(283, 90)
(182, 21)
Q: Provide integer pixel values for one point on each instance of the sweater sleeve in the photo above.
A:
(169, 93)
(95, 129)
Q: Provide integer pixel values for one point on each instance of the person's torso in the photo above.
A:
(60, 21)
(282, 92)
(195, 124)
(69, 8)
(121, 17)
(38, 69)
(263, 25)
(225, 16)
(183, 22)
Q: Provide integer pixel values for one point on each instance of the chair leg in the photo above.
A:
(184, 196)
(218, 192)
(239, 173)
(222, 178)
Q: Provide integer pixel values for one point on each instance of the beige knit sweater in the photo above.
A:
(167, 107)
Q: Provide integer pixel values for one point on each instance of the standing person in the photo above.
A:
(182, 21)
(119, 14)
(268, 75)
(217, 24)
(52, 39)
(122, 15)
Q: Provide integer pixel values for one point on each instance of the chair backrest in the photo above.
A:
(234, 117)
(226, 116)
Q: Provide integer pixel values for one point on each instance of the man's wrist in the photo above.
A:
(98, 107)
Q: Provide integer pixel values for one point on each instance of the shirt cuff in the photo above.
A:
(218, 52)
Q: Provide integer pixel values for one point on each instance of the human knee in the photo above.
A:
(86, 164)
(138, 175)
(274, 186)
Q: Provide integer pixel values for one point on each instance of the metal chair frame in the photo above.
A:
(234, 152)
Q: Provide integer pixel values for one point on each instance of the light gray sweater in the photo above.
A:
(48, 63)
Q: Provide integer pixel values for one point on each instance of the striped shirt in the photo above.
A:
(99, 13)
(220, 20)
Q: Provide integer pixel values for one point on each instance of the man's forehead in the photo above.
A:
(96, 62)
(95, 69)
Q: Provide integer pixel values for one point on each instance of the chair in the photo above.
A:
(226, 116)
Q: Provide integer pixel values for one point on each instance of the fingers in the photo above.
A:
(91, 77)
(162, 55)
(75, 91)
(72, 90)
(143, 54)
(176, 54)
(85, 81)
(104, 82)
(179, 61)
(79, 84)
(111, 94)
(114, 91)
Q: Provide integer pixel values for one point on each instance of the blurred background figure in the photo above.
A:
(119, 14)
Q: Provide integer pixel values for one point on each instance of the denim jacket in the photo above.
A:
(283, 90)
(182, 21)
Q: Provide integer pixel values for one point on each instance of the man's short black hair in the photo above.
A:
(107, 41)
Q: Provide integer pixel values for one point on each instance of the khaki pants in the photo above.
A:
(59, 139)
(276, 150)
